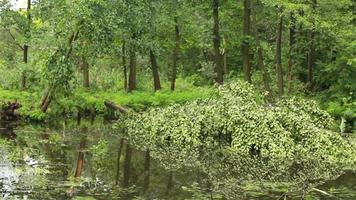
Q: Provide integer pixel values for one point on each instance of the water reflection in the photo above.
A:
(92, 160)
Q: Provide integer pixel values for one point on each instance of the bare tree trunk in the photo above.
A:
(265, 75)
(226, 68)
(85, 68)
(217, 55)
(175, 54)
(146, 182)
(118, 161)
(132, 73)
(155, 73)
(124, 65)
(279, 68)
(311, 53)
(26, 47)
(245, 42)
(127, 167)
(291, 52)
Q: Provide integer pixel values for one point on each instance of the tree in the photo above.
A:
(279, 67)
(245, 42)
(216, 38)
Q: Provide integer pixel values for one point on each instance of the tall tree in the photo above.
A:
(132, 68)
(175, 53)
(85, 68)
(26, 46)
(155, 73)
(245, 43)
(279, 67)
(260, 60)
(311, 52)
(292, 40)
(216, 38)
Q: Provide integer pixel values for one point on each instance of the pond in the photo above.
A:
(92, 161)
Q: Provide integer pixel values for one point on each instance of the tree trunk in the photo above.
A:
(25, 60)
(216, 34)
(124, 65)
(175, 54)
(260, 62)
(146, 182)
(155, 73)
(245, 42)
(118, 161)
(292, 41)
(226, 69)
(279, 68)
(127, 167)
(132, 73)
(85, 69)
(26, 47)
(311, 53)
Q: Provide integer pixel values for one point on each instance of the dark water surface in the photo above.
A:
(81, 162)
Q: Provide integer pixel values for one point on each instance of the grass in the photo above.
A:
(86, 99)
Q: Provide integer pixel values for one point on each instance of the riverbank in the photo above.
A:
(87, 100)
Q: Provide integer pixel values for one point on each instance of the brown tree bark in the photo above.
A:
(311, 53)
(245, 43)
(132, 73)
(155, 73)
(146, 181)
(175, 54)
(26, 47)
(124, 65)
(260, 61)
(216, 34)
(85, 68)
(279, 68)
(127, 166)
(292, 40)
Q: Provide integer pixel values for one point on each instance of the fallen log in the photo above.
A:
(113, 106)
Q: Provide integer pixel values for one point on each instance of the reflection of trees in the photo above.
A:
(236, 176)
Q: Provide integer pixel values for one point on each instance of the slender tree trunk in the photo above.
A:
(279, 68)
(25, 60)
(124, 65)
(118, 161)
(175, 54)
(127, 167)
(132, 73)
(85, 68)
(226, 69)
(216, 34)
(245, 42)
(155, 73)
(260, 61)
(47, 99)
(292, 41)
(26, 47)
(311, 53)
(146, 182)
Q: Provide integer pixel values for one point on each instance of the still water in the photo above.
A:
(71, 161)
